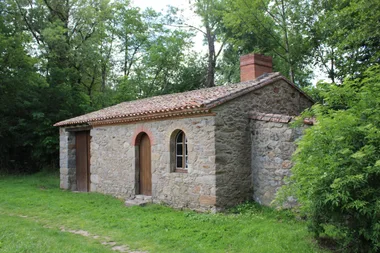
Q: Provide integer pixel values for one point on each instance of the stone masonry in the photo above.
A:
(113, 162)
(67, 160)
(234, 179)
(273, 144)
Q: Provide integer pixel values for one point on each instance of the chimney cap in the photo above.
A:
(255, 58)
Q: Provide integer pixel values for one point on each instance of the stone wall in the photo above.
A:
(233, 167)
(272, 148)
(67, 160)
(113, 162)
(234, 179)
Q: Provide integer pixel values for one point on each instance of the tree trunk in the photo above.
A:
(125, 56)
(332, 71)
(286, 38)
(210, 82)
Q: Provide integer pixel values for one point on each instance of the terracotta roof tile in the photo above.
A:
(309, 121)
(190, 102)
(281, 118)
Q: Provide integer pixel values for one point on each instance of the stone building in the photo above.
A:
(203, 149)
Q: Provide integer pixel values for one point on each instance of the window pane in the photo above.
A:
(185, 149)
(186, 163)
(179, 161)
(179, 149)
(179, 137)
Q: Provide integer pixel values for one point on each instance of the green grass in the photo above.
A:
(35, 216)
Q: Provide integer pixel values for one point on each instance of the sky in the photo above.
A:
(159, 5)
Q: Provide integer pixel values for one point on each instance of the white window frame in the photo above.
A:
(184, 155)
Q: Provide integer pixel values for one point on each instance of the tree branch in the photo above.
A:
(267, 30)
(23, 14)
(220, 49)
(92, 30)
(74, 28)
(189, 26)
(61, 16)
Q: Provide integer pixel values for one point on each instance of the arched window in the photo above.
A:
(181, 156)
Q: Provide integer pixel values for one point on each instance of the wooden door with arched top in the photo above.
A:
(145, 166)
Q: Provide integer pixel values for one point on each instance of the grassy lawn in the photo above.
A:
(36, 216)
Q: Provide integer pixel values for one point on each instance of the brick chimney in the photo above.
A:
(253, 66)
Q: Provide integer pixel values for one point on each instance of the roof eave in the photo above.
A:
(129, 119)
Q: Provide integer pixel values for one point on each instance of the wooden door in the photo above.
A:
(145, 166)
(82, 140)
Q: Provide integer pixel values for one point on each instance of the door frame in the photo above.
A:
(88, 154)
(137, 162)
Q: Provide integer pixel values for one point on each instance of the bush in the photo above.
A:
(336, 176)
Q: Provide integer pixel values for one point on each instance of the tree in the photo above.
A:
(75, 39)
(156, 72)
(188, 75)
(273, 28)
(20, 98)
(210, 13)
(59, 59)
(133, 33)
(154, 55)
(69, 66)
(337, 165)
(344, 36)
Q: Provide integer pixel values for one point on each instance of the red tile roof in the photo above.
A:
(280, 118)
(190, 102)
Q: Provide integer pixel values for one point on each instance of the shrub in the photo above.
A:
(336, 175)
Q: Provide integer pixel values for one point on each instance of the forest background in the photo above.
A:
(63, 58)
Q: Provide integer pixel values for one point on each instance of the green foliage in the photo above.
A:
(272, 28)
(20, 98)
(344, 36)
(339, 37)
(320, 91)
(337, 165)
(59, 59)
(34, 205)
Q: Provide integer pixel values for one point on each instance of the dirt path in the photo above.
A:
(104, 240)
